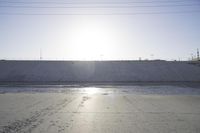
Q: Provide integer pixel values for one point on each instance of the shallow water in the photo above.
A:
(133, 89)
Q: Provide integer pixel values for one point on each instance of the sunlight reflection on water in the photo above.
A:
(92, 90)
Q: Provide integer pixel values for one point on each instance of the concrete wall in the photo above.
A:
(97, 71)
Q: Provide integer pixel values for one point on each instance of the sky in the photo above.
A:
(99, 30)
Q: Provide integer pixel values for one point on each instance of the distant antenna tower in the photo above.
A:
(198, 55)
(40, 54)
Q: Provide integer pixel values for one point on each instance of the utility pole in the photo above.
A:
(40, 54)
(198, 54)
(152, 56)
(192, 57)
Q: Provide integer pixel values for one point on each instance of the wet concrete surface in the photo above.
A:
(127, 109)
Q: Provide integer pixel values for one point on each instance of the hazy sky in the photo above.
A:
(97, 30)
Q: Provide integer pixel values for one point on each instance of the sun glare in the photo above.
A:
(91, 90)
(91, 41)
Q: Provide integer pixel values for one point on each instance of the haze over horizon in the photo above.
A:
(99, 30)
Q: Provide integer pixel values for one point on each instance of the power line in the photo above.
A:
(67, 14)
(111, 2)
(127, 6)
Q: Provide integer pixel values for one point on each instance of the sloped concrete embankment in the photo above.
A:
(98, 71)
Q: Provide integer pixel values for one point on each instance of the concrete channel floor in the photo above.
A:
(99, 110)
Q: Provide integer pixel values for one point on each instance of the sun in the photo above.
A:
(91, 40)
